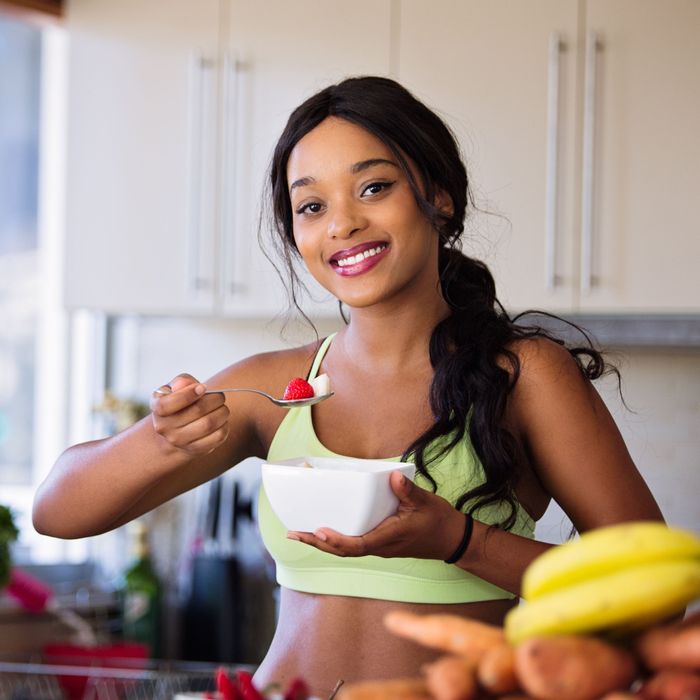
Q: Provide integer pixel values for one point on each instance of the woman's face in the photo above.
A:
(355, 219)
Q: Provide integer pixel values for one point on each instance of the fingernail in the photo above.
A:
(320, 535)
(402, 479)
(292, 536)
(200, 389)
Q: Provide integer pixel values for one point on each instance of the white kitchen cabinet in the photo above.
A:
(174, 109)
(141, 161)
(283, 52)
(643, 247)
(585, 162)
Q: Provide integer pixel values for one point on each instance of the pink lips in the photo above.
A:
(365, 263)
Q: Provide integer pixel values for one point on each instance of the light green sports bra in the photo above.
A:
(304, 568)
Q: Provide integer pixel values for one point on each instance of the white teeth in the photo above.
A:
(354, 259)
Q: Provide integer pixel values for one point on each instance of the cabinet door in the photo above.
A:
(141, 146)
(643, 246)
(280, 54)
(503, 75)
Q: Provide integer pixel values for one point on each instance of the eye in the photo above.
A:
(308, 208)
(375, 188)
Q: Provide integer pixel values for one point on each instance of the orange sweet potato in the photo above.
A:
(572, 667)
(394, 689)
(496, 670)
(671, 646)
(458, 635)
(451, 678)
(672, 685)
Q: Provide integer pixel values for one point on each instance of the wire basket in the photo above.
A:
(159, 681)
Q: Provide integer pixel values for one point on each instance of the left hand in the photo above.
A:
(425, 526)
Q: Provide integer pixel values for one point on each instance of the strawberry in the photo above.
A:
(298, 388)
(247, 688)
(228, 689)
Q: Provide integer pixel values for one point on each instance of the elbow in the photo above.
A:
(41, 520)
(38, 514)
(47, 522)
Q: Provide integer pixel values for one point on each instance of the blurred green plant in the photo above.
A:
(8, 534)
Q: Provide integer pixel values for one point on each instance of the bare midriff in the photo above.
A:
(326, 638)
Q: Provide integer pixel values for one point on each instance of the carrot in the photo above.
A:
(572, 667)
(451, 678)
(458, 635)
(671, 646)
(496, 670)
(394, 689)
(671, 685)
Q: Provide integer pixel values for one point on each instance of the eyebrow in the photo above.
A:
(355, 168)
(371, 162)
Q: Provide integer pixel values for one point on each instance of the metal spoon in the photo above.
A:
(285, 403)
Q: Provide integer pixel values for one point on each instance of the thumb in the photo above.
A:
(181, 381)
(404, 489)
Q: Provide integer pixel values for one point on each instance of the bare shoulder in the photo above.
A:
(544, 362)
(550, 386)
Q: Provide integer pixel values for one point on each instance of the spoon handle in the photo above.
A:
(224, 391)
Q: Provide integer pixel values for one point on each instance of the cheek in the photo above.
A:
(303, 242)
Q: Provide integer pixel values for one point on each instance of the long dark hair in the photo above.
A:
(470, 386)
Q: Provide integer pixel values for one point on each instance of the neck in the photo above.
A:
(393, 336)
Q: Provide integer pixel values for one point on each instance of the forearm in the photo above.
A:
(500, 557)
(94, 483)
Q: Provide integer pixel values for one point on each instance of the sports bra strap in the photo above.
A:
(320, 354)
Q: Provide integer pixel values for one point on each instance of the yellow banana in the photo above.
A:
(606, 549)
(651, 591)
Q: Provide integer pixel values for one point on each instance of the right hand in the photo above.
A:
(190, 420)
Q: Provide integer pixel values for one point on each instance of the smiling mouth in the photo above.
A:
(359, 257)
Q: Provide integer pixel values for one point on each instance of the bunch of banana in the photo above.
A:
(613, 579)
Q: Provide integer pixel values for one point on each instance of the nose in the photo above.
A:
(345, 220)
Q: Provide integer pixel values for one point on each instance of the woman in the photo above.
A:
(369, 190)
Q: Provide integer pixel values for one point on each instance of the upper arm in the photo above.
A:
(573, 443)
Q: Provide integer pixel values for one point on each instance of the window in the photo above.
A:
(20, 66)
(33, 323)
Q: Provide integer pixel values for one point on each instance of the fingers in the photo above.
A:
(193, 424)
(179, 393)
(400, 485)
(188, 418)
(381, 540)
(332, 542)
(203, 438)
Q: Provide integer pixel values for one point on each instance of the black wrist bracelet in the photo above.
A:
(462, 547)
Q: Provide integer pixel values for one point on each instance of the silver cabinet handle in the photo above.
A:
(550, 222)
(201, 68)
(589, 113)
(230, 96)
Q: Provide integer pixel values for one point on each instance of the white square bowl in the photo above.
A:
(351, 496)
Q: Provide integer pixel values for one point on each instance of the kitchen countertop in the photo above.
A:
(633, 330)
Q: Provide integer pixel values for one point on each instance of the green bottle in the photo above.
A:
(141, 595)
